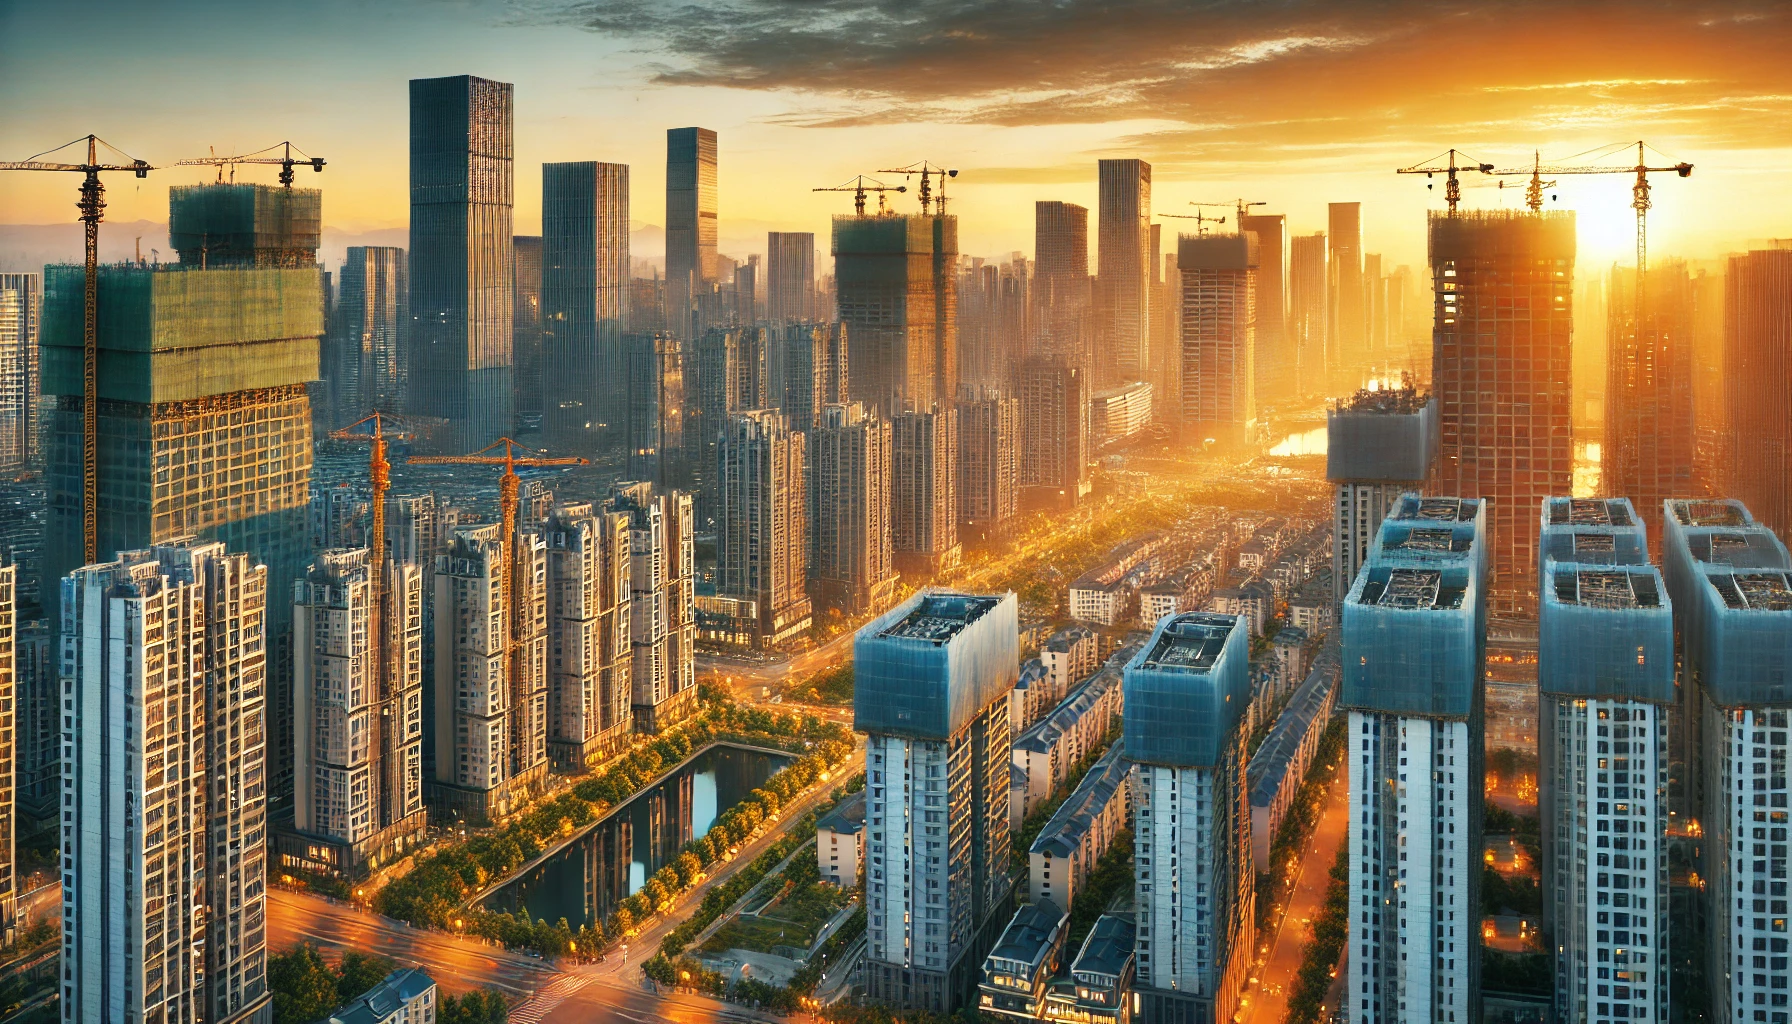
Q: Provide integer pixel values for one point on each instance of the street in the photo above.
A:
(1268, 999)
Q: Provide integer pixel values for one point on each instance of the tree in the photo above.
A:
(687, 867)
(486, 1007)
(358, 973)
(304, 987)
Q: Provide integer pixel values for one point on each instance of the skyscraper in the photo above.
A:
(1123, 272)
(851, 557)
(1757, 364)
(814, 370)
(992, 322)
(691, 268)
(1309, 284)
(1415, 835)
(1375, 313)
(896, 288)
(1650, 452)
(924, 490)
(1054, 434)
(462, 297)
(1062, 315)
(1380, 444)
(21, 299)
(525, 327)
(762, 537)
(1605, 668)
(727, 375)
(585, 295)
(590, 671)
(988, 464)
(662, 627)
(165, 662)
(1194, 887)
(1217, 397)
(1275, 353)
(1347, 319)
(932, 679)
(10, 642)
(790, 277)
(1500, 370)
(660, 427)
(372, 314)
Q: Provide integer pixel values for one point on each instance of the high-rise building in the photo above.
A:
(462, 289)
(584, 295)
(992, 322)
(662, 627)
(1054, 435)
(1194, 887)
(1650, 451)
(762, 537)
(1757, 363)
(1731, 582)
(590, 671)
(21, 301)
(661, 430)
(1347, 318)
(727, 376)
(1275, 352)
(932, 679)
(1500, 370)
(208, 434)
(1415, 842)
(1062, 294)
(924, 490)
(897, 291)
(790, 277)
(1123, 272)
(10, 713)
(358, 666)
(1605, 669)
(372, 314)
(1379, 445)
(812, 370)
(526, 327)
(164, 904)
(1375, 313)
(691, 267)
(37, 777)
(1309, 305)
(1217, 393)
(851, 558)
(988, 464)
(491, 680)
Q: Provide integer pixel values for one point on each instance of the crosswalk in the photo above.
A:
(551, 995)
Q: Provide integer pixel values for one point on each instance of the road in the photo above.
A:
(750, 674)
(1268, 999)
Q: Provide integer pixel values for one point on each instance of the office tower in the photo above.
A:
(462, 289)
(851, 557)
(37, 719)
(727, 376)
(21, 301)
(924, 490)
(1415, 842)
(988, 464)
(358, 666)
(1061, 296)
(1194, 888)
(662, 626)
(164, 664)
(1348, 321)
(1309, 288)
(691, 268)
(372, 314)
(992, 322)
(10, 736)
(208, 434)
(1054, 434)
(790, 277)
(1275, 353)
(896, 288)
(814, 370)
(1404, 326)
(932, 679)
(1757, 369)
(660, 431)
(1379, 445)
(1375, 313)
(1500, 370)
(1123, 272)
(1217, 396)
(1605, 669)
(491, 680)
(1650, 452)
(584, 296)
(526, 327)
(590, 675)
(762, 536)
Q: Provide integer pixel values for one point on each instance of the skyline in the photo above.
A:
(1298, 107)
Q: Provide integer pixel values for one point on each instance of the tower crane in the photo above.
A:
(925, 168)
(1533, 189)
(285, 161)
(1201, 220)
(1241, 205)
(1452, 187)
(858, 187)
(1640, 199)
(93, 207)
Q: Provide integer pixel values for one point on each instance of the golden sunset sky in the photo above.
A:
(1294, 103)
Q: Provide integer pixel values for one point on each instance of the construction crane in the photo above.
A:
(93, 207)
(285, 161)
(1640, 199)
(379, 473)
(1201, 220)
(858, 186)
(1534, 186)
(1452, 187)
(924, 169)
(1241, 205)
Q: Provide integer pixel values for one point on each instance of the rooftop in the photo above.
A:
(1071, 821)
(1429, 538)
(1589, 512)
(1422, 589)
(848, 816)
(1191, 641)
(1269, 765)
(1438, 510)
(1755, 591)
(1406, 400)
(384, 999)
(937, 618)
(1709, 513)
(1607, 588)
(1029, 933)
(1108, 947)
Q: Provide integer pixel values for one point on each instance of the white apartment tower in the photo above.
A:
(662, 603)
(589, 683)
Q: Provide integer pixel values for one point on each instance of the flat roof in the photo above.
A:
(1708, 512)
(1440, 510)
(1192, 641)
(1589, 512)
(937, 618)
(1430, 538)
(1419, 589)
(1755, 591)
(1607, 588)
(1748, 549)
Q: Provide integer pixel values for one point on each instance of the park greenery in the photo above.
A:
(1290, 841)
(1306, 998)
(831, 687)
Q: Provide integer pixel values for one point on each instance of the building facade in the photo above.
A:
(1275, 353)
(662, 627)
(988, 465)
(1123, 272)
(1348, 316)
(896, 287)
(811, 371)
(790, 278)
(1054, 434)
(924, 506)
(21, 310)
(585, 278)
(1756, 368)
(590, 658)
(1650, 451)
(1217, 396)
(1309, 304)
(762, 526)
(372, 314)
(852, 560)
(1379, 445)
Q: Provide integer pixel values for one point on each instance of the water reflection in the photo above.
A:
(1307, 442)
(585, 881)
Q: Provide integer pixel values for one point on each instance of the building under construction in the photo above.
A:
(204, 423)
(1504, 318)
(1379, 445)
(1757, 364)
(1218, 337)
(897, 289)
(1651, 430)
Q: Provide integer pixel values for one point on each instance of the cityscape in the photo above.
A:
(871, 533)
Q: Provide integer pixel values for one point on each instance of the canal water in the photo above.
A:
(606, 865)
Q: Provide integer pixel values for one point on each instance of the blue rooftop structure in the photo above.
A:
(1605, 625)
(1592, 531)
(1731, 579)
(1387, 435)
(926, 668)
(1186, 690)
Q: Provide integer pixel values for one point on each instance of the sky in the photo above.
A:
(1295, 103)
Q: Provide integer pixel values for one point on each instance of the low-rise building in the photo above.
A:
(1118, 413)
(1290, 650)
(1280, 765)
(1247, 601)
(1077, 726)
(840, 842)
(1032, 696)
(1099, 601)
(407, 996)
(1099, 987)
(1080, 831)
(1020, 967)
(1312, 610)
(1069, 655)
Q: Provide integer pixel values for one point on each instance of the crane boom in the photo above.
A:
(285, 162)
(858, 186)
(1640, 198)
(1450, 168)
